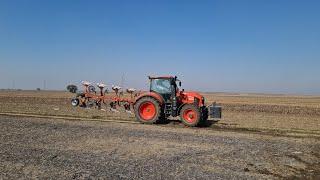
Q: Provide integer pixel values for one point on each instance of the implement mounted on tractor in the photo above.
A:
(164, 99)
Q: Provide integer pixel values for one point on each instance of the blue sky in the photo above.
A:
(269, 46)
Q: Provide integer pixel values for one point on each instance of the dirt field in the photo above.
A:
(32, 148)
(299, 114)
(259, 137)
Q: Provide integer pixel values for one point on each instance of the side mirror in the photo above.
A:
(180, 83)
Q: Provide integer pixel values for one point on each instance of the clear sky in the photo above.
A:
(270, 46)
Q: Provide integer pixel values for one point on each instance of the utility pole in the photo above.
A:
(13, 85)
(44, 85)
(122, 82)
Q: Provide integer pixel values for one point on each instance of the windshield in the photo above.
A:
(162, 86)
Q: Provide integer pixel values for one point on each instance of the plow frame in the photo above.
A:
(89, 96)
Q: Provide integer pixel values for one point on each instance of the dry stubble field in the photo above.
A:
(296, 114)
(259, 137)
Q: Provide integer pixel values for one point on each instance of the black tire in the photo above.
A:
(195, 120)
(75, 102)
(143, 101)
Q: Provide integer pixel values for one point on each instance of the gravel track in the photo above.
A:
(59, 149)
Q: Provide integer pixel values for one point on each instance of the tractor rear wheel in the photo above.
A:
(190, 115)
(147, 110)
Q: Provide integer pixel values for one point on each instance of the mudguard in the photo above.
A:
(156, 96)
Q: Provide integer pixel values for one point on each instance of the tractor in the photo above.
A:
(164, 99)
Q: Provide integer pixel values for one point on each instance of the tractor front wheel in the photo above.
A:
(147, 110)
(190, 115)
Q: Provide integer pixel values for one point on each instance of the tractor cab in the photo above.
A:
(165, 86)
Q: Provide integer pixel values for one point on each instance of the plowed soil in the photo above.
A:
(32, 148)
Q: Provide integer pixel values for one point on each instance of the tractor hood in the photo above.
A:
(191, 96)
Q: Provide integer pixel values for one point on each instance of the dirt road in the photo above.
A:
(48, 148)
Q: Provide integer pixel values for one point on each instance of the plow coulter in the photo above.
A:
(163, 100)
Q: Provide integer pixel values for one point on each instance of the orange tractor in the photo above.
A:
(164, 99)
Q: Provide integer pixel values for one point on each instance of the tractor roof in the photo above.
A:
(161, 77)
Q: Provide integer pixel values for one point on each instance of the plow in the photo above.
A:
(163, 100)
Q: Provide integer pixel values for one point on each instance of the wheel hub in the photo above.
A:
(189, 115)
(147, 110)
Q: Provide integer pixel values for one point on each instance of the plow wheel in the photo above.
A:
(190, 115)
(147, 110)
(75, 102)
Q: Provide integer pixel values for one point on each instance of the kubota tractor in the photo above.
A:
(165, 99)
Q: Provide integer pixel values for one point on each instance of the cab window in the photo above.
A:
(162, 86)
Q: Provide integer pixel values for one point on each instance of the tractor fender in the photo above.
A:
(181, 106)
(154, 95)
